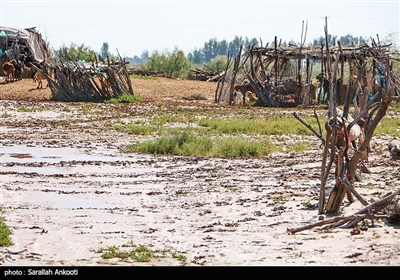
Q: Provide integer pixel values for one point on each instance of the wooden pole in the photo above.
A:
(322, 71)
(308, 81)
(316, 133)
(235, 70)
(220, 85)
(276, 63)
(324, 173)
(333, 113)
(328, 68)
(341, 94)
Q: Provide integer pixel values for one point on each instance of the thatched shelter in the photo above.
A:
(16, 43)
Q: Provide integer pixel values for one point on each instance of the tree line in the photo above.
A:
(211, 56)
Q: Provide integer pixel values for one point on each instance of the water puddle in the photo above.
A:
(56, 200)
(24, 154)
(42, 160)
(80, 170)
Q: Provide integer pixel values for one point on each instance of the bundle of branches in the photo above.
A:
(343, 130)
(369, 212)
(201, 75)
(72, 81)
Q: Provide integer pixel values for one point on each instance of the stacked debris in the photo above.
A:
(72, 81)
(145, 73)
(24, 46)
(15, 42)
(201, 75)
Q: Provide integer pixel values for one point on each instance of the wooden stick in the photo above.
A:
(231, 62)
(378, 204)
(235, 71)
(346, 149)
(276, 64)
(333, 203)
(365, 213)
(321, 137)
(319, 124)
(338, 192)
(325, 222)
(323, 171)
(221, 83)
(372, 208)
(346, 182)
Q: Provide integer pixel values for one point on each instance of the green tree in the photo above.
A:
(222, 48)
(174, 64)
(212, 48)
(217, 64)
(104, 51)
(196, 56)
(156, 62)
(76, 52)
(235, 44)
(209, 49)
(144, 57)
(177, 63)
(346, 40)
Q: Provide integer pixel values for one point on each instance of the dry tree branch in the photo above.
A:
(366, 213)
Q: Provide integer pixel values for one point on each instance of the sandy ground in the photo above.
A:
(151, 89)
(67, 192)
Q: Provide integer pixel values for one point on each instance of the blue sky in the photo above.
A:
(133, 25)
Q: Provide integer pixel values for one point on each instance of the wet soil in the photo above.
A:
(67, 191)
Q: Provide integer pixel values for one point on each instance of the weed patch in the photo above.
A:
(125, 98)
(5, 233)
(188, 144)
(137, 253)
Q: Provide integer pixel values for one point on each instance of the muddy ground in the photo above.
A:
(68, 191)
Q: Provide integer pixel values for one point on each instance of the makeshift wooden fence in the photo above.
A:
(72, 81)
(282, 76)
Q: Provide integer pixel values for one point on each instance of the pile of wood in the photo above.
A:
(145, 73)
(201, 75)
(72, 81)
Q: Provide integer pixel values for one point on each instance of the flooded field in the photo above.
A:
(68, 193)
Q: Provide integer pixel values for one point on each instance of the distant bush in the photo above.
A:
(217, 64)
(76, 52)
(174, 64)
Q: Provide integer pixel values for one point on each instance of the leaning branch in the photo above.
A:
(319, 135)
(366, 213)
